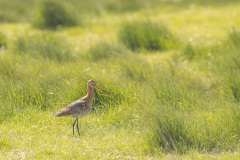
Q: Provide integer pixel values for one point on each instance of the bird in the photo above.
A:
(80, 107)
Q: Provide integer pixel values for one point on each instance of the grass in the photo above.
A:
(43, 45)
(105, 50)
(146, 35)
(53, 15)
(178, 102)
(3, 42)
(234, 37)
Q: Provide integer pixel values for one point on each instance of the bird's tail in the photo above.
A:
(57, 114)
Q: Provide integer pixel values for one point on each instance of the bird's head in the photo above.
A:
(93, 84)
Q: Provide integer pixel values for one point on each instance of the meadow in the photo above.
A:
(172, 68)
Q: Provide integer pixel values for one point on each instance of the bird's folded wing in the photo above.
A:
(72, 108)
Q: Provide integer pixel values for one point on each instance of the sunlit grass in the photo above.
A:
(146, 35)
(182, 103)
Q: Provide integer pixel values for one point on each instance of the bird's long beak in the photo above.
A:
(102, 89)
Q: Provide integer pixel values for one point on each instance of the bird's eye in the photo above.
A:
(93, 83)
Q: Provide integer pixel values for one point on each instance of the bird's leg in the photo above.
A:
(74, 124)
(78, 128)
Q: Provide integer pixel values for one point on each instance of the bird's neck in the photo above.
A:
(90, 93)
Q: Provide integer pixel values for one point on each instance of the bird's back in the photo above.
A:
(76, 109)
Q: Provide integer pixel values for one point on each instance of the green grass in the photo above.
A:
(3, 41)
(146, 35)
(105, 50)
(178, 102)
(234, 37)
(43, 45)
(53, 15)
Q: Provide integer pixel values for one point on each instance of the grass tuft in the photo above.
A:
(234, 85)
(183, 119)
(123, 6)
(3, 41)
(53, 14)
(43, 45)
(139, 73)
(195, 52)
(104, 51)
(234, 36)
(146, 35)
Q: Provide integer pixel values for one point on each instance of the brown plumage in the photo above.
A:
(81, 107)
